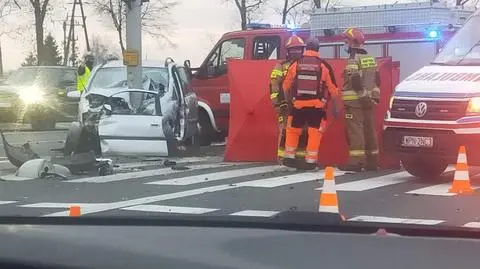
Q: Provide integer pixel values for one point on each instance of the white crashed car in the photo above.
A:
(149, 121)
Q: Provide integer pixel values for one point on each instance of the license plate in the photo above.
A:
(5, 105)
(417, 142)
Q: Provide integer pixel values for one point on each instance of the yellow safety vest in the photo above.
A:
(82, 80)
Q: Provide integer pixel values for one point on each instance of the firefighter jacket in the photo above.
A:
(82, 77)
(277, 95)
(361, 82)
(309, 82)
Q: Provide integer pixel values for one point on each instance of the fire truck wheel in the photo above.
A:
(425, 170)
(205, 129)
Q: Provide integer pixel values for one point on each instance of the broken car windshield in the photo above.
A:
(106, 77)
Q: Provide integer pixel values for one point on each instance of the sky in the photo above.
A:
(198, 25)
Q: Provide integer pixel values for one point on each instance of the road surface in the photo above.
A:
(206, 185)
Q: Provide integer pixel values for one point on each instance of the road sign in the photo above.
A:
(130, 58)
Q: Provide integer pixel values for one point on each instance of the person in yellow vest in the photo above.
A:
(295, 48)
(360, 93)
(83, 71)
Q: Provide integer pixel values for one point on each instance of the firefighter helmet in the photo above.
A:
(354, 37)
(294, 42)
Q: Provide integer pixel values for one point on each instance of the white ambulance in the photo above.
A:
(437, 109)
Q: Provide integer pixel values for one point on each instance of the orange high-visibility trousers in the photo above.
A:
(312, 117)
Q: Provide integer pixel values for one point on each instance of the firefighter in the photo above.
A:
(84, 70)
(295, 47)
(360, 94)
(308, 85)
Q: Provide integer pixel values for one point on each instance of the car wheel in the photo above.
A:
(205, 130)
(425, 169)
(43, 125)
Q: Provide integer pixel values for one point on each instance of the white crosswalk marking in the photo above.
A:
(395, 220)
(287, 180)
(374, 182)
(255, 213)
(218, 176)
(147, 173)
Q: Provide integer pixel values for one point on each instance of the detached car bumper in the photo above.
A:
(445, 144)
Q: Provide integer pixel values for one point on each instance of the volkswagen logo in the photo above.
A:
(421, 109)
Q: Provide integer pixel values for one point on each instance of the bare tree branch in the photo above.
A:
(156, 20)
(247, 9)
(294, 11)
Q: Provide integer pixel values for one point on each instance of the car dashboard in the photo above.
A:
(234, 243)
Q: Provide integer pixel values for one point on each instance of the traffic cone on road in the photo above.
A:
(74, 211)
(328, 197)
(461, 178)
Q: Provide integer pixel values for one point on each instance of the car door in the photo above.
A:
(128, 130)
(190, 101)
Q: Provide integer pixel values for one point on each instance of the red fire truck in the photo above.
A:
(412, 44)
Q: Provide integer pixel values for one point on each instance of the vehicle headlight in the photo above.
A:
(473, 106)
(31, 95)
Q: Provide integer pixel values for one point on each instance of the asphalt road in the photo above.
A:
(206, 185)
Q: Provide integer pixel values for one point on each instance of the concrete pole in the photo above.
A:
(134, 42)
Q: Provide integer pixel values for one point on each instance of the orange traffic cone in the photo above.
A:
(74, 211)
(328, 197)
(461, 178)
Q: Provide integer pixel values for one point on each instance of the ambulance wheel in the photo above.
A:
(423, 169)
(205, 129)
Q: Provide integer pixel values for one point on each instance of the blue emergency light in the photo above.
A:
(433, 34)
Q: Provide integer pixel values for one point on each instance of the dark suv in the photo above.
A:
(38, 94)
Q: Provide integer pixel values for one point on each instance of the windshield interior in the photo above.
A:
(464, 47)
(110, 76)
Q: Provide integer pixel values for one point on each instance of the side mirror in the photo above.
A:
(75, 95)
(108, 109)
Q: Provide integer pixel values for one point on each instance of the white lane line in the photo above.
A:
(170, 209)
(374, 182)
(147, 200)
(472, 225)
(183, 181)
(256, 213)
(395, 220)
(438, 190)
(287, 180)
(140, 164)
(7, 202)
(62, 205)
(146, 173)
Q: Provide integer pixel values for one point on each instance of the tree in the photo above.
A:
(156, 19)
(30, 60)
(40, 9)
(99, 49)
(246, 9)
(294, 11)
(51, 54)
(328, 3)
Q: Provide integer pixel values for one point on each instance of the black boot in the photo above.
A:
(288, 162)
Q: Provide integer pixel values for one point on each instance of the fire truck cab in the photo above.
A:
(389, 32)
(210, 81)
(437, 109)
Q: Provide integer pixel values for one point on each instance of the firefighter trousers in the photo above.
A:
(312, 118)
(361, 136)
